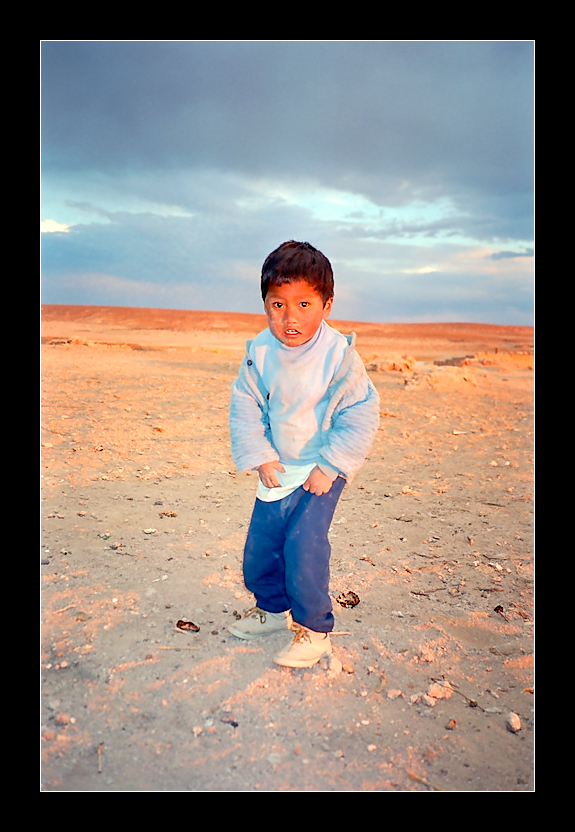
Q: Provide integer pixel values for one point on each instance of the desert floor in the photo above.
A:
(143, 520)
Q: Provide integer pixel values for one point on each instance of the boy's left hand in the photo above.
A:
(317, 482)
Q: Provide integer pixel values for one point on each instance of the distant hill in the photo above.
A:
(183, 320)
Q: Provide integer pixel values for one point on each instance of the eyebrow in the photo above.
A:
(303, 295)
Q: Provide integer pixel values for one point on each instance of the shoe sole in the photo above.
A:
(249, 636)
(284, 662)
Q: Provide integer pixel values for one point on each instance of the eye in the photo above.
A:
(305, 303)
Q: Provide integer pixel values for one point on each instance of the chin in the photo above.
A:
(294, 340)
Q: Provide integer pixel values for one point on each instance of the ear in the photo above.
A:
(327, 308)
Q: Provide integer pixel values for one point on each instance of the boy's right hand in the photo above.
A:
(267, 473)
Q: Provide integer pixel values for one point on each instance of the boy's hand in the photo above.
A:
(267, 473)
(317, 482)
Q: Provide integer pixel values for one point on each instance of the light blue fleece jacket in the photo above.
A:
(347, 432)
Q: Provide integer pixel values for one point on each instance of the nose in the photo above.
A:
(290, 315)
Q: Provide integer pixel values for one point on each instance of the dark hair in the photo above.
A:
(298, 261)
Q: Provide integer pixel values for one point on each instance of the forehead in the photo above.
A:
(296, 290)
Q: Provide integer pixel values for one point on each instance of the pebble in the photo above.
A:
(513, 723)
(334, 667)
(440, 691)
(276, 759)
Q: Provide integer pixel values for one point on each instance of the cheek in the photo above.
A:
(273, 321)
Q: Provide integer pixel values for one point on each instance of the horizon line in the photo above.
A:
(262, 315)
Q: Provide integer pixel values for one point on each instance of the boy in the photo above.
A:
(304, 414)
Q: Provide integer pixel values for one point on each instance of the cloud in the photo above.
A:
(51, 226)
(395, 121)
(502, 255)
(196, 262)
(176, 167)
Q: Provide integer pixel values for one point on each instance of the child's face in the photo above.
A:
(295, 312)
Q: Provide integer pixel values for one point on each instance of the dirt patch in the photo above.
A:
(143, 523)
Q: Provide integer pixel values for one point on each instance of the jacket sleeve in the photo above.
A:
(352, 428)
(250, 433)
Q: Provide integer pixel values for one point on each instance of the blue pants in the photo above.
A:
(286, 556)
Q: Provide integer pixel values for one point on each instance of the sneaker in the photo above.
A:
(257, 622)
(306, 649)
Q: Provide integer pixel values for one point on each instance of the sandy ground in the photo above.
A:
(143, 524)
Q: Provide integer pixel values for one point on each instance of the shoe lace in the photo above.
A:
(300, 633)
(255, 612)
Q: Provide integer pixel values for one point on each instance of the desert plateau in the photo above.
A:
(143, 519)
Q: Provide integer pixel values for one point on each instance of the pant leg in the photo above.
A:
(306, 555)
(264, 568)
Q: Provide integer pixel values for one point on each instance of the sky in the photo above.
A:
(171, 169)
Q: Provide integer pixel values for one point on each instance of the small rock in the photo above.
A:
(440, 691)
(334, 667)
(513, 723)
(394, 694)
(392, 363)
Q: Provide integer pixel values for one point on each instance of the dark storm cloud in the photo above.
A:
(392, 120)
(216, 250)
(171, 169)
